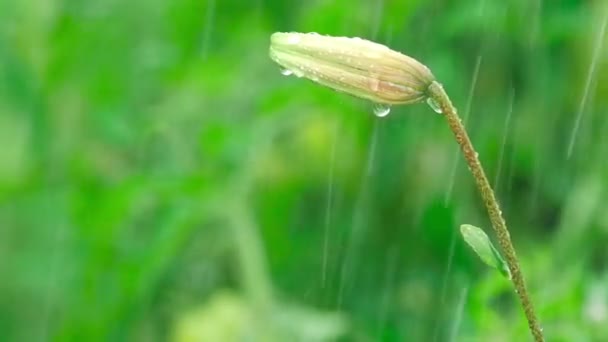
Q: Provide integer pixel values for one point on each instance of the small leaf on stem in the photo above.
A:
(477, 239)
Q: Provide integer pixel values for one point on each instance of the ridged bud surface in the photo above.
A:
(352, 65)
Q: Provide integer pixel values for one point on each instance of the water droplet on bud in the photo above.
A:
(293, 39)
(286, 72)
(434, 105)
(381, 110)
(298, 73)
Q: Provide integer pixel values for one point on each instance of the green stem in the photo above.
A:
(437, 94)
(251, 259)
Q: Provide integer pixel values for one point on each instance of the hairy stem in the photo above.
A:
(437, 94)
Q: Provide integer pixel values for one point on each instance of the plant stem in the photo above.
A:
(437, 94)
(251, 259)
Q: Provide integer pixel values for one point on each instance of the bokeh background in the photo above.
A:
(161, 180)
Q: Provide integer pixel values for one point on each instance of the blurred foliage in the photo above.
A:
(159, 178)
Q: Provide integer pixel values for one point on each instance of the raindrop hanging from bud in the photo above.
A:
(434, 105)
(381, 110)
(286, 72)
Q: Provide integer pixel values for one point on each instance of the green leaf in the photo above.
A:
(477, 239)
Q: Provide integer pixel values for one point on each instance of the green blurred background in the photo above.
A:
(161, 180)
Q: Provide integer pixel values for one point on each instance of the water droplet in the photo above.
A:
(381, 110)
(293, 39)
(286, 72)
(434, 105)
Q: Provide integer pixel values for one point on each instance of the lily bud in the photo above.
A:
(352, 65)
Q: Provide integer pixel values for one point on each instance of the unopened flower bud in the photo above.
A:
(352, 65)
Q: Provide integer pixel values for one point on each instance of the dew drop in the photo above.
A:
(293, 39)
(286, 72)
(434, 105)
(381, 110)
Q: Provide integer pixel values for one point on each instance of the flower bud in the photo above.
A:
(352, 65)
